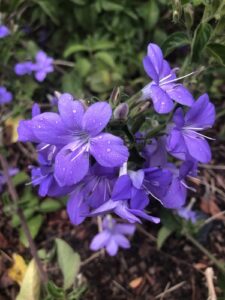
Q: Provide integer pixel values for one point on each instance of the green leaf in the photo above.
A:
(201, 37)
(69, 262)
(218, 51)
(19, 178)
(30, 288)
(34, 226)
(83, 67)
(74, 49)
(102, 45)
(110, 6)
(174, 41)
(50, 205)
(106, 58)
(163, 234)
(49, 8)
(150, 13)
(28, 213)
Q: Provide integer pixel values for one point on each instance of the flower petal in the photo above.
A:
(178, 117)
(122, 188)
(121, 241)
(77, 209)
(197, 147)
(180, 94)
(104, 208)
(201, 114)
(71, 166)
(70, 111)
(108, 150)
(156, 56)
(176, 145)
(150, 70)
(48, 128)
(128, 229)
(100, 240)
(26, 132)
(176, 195)
(161, 100)
(40, 75)
(96, 118)
(112, 247)
(143, 215)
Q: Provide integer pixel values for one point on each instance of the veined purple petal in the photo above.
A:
(179, 93)
(139, 199)
(71, 166)
(167, 72)
(197, 146)
(108, 150)
(96, 118)
(50, 129)
(26, 132)
(178, 117)
(137, 178)
(150, 69)
(176, 194)
(122, 188)
(176, 144)
(77, 209)
(143, 215)
(161, 100)
(104, 208)
(156, 57)
(124, 212)
(201, 114)
(70, 111)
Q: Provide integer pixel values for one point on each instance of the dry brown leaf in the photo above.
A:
(200, 266)
(209, 206)
(135, 283)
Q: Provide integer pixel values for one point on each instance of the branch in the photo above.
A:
(15, 198)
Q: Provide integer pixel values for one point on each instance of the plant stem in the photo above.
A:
(15, 198)
(218, 264)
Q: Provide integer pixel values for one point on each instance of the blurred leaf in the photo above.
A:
(201, 37)
(69, 262)
(19, 178)
(30, 288)
(106, 58)
(169, 220)
(111, 6)
(219, 29)
(28, 213)
(50, 8)
(74, 49)
(83, 66)
(218, 51)
(18, 269)
(55, 292)
(150, 13)
(163, 234)
(103, 45)
(174, 41)
(34, 226)
(50, 205)
(72, 83)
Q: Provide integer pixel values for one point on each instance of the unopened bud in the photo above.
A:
(121, 111)
(188, 15)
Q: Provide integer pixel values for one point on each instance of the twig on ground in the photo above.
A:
(173, 288)
(15, 199)
(165, 290)
(209, 279)
(89, 259)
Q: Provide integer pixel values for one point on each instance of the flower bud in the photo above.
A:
(121, 111)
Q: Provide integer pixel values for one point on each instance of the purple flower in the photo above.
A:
(94, 190)
(184, 137)
(176, 194)
(188, 214)
(130, 194)
(44, 174)
(3, 180)
(155, 153)
(4, 31)
(79, 134)
(5, 96)
(23, 68)
(42, 66)
(163, 89)
(112, 236)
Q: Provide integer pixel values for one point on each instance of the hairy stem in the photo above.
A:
(15, 198)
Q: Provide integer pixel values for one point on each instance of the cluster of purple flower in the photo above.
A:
(78, 156)
(41, 67)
